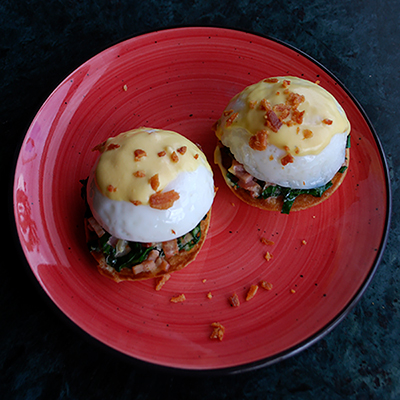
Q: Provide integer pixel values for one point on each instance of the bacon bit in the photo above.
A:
(112, 146)
(266, 241)
(170, 248)
(182, 150)
(303, 242)
(230, 120)
(234, 300)
(162, 153)
(178, 299)
(136, 202)
(295, 99)
(273, 122)
(259, 141)
(145, 266)
(209, 295)
(327, 121)
(268, 256)
(287, 159)
(139, 154)
(271, 80)
(139, 174)
(218, 331)
(307, 134)
(297, 116)
(111, 188)
(297, 130)
(162, 281)
(100, 147)
(96, 227)
(265, 105)
(252, 292)
(154, 182)
(285, 83)
(252, 104)
(163, 200)
(196, 156)
(174, 157)
(266, 285)
(228, 112)
(162, 264)
(296, 150)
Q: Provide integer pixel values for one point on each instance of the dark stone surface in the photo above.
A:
(43, 357)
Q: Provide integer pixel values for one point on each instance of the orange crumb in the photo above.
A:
(174, 157)
(178, 299)
(234, 300)
(139, 154)
(317, 82)
(182, 150)
(307, 134)
(209, 295)
(139, 174)
(327, 121)
(266, 285)
(268, 256)
(233, 204)
(218, 331)
(162, 280)
(125, 88)
(196, 156)
(230, 120)
(303, 242)
(204, 280)
(136, 202)
(154, 182)
(252, 104)
(252, 292)
(228, 112)
(111, 188)
(162, 153)
(292, 291)
(266, 241)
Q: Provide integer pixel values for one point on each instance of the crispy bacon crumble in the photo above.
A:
(162, 281)
(178, 299)
(252, 292)
(163, 200)
(234, 300)
(218, 331)
(139, 154)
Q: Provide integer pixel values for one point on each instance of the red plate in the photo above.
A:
(181, 79)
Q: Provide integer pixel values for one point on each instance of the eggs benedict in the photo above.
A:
(283, 144)
(149, 200)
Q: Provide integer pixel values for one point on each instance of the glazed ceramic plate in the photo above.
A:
(182, 79)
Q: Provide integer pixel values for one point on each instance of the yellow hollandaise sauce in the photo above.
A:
(139, 163)
(293, 114)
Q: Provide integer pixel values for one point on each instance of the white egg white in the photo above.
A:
(306, 172)
(145, 224)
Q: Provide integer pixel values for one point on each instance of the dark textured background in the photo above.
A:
(43, 357)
